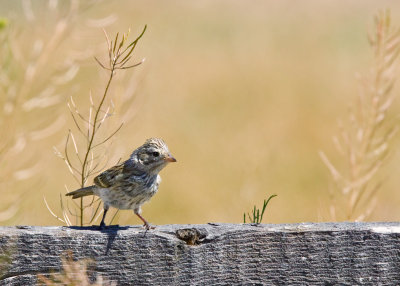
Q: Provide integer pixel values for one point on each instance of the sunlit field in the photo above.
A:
(245, 94)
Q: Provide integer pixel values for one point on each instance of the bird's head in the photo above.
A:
(152, 156)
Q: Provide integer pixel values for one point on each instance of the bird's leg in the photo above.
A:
(146, 224)
(102, 224)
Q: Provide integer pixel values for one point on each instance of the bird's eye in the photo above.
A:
(156, 154)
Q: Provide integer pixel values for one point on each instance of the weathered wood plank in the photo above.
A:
(227, 254)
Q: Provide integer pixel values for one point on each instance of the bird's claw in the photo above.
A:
(147, 226)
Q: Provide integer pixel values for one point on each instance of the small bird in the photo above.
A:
(130, 184)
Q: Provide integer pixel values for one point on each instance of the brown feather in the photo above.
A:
(109, 177)
(87, 191)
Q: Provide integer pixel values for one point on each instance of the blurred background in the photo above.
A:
(244, 93)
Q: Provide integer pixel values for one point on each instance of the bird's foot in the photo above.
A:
(147, 226)
(102, 226)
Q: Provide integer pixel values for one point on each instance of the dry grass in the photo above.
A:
(35, 78)
(91, 157)
(365, 138)
(6, 258)
(244, 95)
(74, 273)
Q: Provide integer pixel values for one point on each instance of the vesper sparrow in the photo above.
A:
(131, 183)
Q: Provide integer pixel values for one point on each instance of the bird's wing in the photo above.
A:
(110, 177)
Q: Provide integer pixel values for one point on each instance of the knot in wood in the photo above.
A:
(191, 236)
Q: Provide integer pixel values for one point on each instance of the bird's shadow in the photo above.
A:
(111, 231)
(108, 229)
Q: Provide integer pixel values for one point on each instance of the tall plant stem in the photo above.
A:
(89, 148)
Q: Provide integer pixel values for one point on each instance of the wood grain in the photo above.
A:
(217, 254)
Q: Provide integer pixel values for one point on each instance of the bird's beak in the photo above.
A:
(169, 158)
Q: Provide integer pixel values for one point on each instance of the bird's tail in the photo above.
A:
(87, 191)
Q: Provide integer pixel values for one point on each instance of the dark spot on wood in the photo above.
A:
(191, 236)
